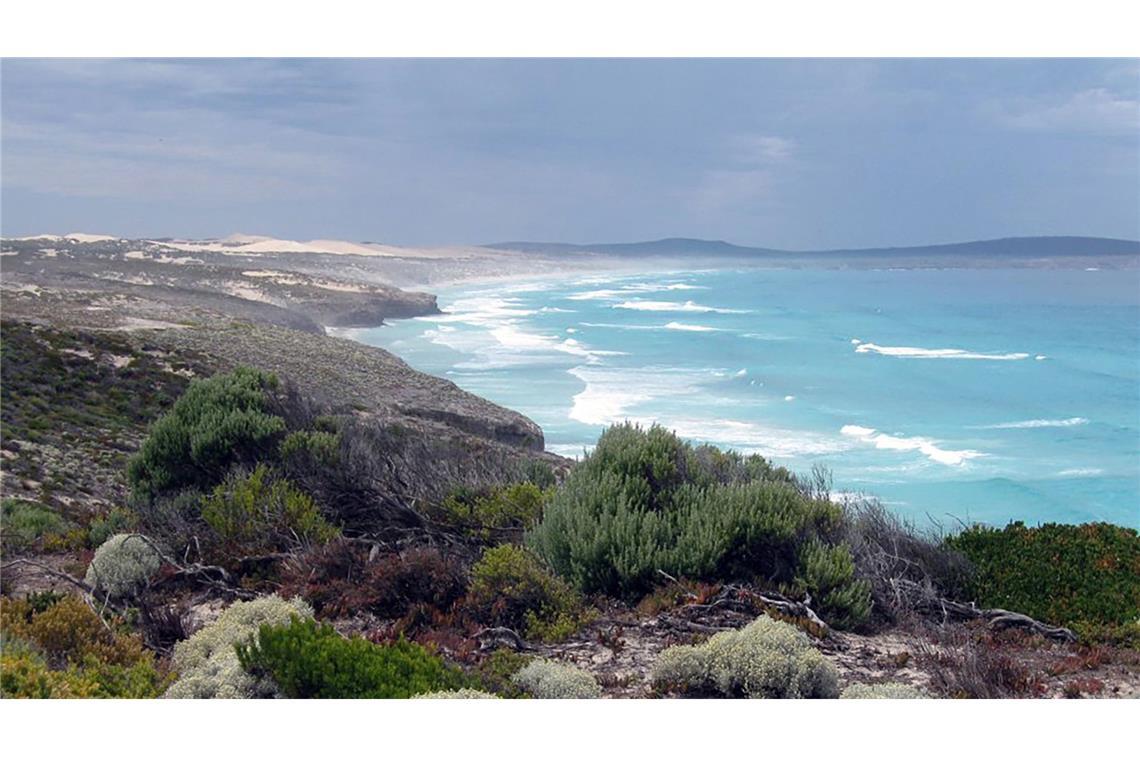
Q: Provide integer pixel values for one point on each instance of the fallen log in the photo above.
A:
(499, 636)
(995, 618)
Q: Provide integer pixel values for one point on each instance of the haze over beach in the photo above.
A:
(571, 378)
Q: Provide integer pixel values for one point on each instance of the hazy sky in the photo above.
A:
(782, 153)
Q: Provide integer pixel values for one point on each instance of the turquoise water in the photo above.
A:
(974, 395)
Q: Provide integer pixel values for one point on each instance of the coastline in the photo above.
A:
(506, 337)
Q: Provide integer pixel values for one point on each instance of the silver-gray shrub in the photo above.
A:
(881, 691)
(546, 679)
(207, 662)
(457, 694)
(765, 659)
(123, 566)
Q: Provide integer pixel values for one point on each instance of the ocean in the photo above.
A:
(953, 395)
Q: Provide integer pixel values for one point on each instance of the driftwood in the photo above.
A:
(209, 575)
(997, 619)
(499, 636)
(746, 603)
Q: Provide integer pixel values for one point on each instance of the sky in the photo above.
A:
(799, 154)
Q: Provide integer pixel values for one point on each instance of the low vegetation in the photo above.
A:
(1086, 577)
(312, 661)
(881, 691)
(765, 659)
(58, 646)
(218, 422)
(257, 519)
(645, 502)
(27, 525)
(511, 587)
(493, 513)
(207, 663)
(457, 694)
(546, 679)
(123, 566)
(255, 513)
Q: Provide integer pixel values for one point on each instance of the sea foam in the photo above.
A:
(1028, 424)
(925, 446)
(911, 352)
(687, 306)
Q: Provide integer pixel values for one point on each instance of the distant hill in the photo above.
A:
(1014, 247)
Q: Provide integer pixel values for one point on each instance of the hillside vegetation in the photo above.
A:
(266, 542)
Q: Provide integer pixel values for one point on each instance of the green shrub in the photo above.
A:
(765, 659)
(1082, 576)
(881, 691)
(312, 447)
(123, 566)
(498, 668)
(24, 674)
(644, 501)
(539, 473)
(494, 511)
(217, 422)
(23, 523)
(457, 694)
(312, 661)
(511, 587)
(207, 662)
(259, 514)
(829, 573)
(118, 520)
(546, 679)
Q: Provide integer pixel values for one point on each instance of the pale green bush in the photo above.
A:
(207, 662)
(546, 679)
(881, 691)
(766, 658)
(123, 566)
(457, 694)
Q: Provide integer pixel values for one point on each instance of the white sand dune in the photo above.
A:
(79, 237)
(84, 237)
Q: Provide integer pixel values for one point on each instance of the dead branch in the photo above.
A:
(82, 585)
(997, 619)
(494, 638)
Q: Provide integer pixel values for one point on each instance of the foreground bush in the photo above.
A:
(765, 659)
(59, 648)
(546, 679)
(881, 691)
(207, 662)
(123, 566)
(1083, 576)
(511, 587)
(904, 565)
(256, 513)
(312, 661)
(457, 694)
(218, 422)
(644, 501)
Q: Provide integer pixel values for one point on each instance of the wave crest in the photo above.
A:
(926, 446)
(914, 352)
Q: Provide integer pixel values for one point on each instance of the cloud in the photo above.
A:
(764, 149)
(1095, 110)
(750, 174)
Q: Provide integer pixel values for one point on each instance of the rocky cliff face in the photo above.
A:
(105, 309)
